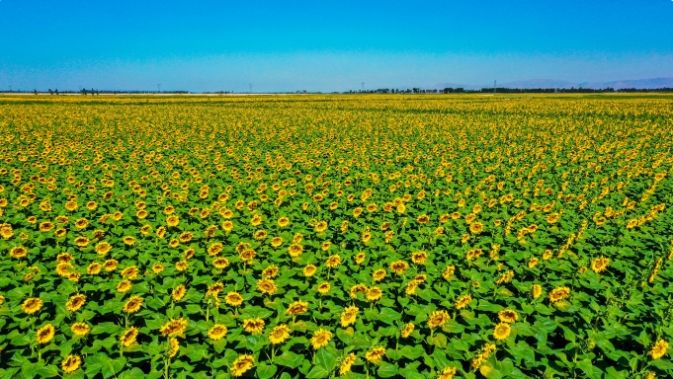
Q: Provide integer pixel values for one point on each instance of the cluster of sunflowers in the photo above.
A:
(336, 236)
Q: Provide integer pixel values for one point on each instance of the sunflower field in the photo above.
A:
(316, 236)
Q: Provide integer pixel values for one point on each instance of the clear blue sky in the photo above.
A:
(324, 45)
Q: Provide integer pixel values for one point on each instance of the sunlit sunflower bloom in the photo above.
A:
(129, 337)
(659, 349)
(80, 329)
(449, 272)
(321, 338)
(375, 354)
(509, 316)
(173, 347)
(2, 299)
(297, 308)
(349, 315)
(558, 294)
(502, 331)
(379, 275)
(133, 304)
(124, 286)
(31, 305)
(374, 293)
(346, 364)
(279, 334)
(71, 363)
(407, 329)
(110, 265)
(103, 247)
(94, 268)
(178, 292)
(254, 325)
(357, 289)
(310, 270)
(241, 365)
(476, 227)
(333, 261)
(600, 264)
(172, 221)
(174, 328)
(18, 252)
(283, 222)
(399, 267)
(536, 291)
(323, 288)
(437, 319)
(447, 373)
(266, 286)
(419, 257)
(217, 332)
(463, 301)
(157, 268)
(45, 334)
(234, 299)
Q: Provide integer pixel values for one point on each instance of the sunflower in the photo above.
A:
(379, 275)
(241, 365)
(254, 325)
(80, 329)
(128, 338)
(71, 363)
(45, 334)
(375, 354)
(476, 227)
(407, 329)
(321, 338)
(346, 364)
(659, 349)
(449, 272)
(31, 305)
(279, 334)
(536, 291)
(18, 252)
(463, 301)
(173, 347)
(133, 304)
(502, 331)
(419, 257)
(296, 308)
(234, 299)
(507, 315)
(437, 319)
(600, 264)
(310, 270)
(558, 294)
(178, 292)
(217, 332)
(174, 328)
(333, 261)
(349, 315)
(124, 286)
(374, 293)
(447, 373)
(399, 267)
(266, 286)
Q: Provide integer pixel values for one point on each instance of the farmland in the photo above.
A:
(316, 236)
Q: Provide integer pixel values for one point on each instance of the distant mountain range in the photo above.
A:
(651, 83)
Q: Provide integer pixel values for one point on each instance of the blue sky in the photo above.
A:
(328, 45)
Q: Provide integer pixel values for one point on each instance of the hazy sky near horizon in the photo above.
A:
(327, 45)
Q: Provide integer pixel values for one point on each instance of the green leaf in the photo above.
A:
(265, 370)
(289, 359)
(317, 372)
(387, 370)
